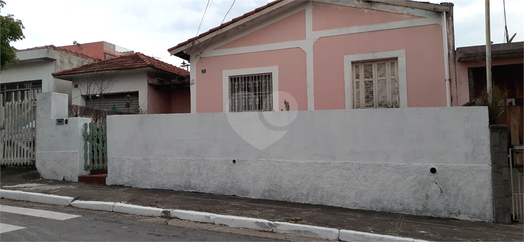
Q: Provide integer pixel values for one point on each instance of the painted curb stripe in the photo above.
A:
(37, 213)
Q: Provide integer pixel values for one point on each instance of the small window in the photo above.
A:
(251, 93)
(375, 84)
(108, 56)
(121, 102)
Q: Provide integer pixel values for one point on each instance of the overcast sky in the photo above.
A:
(153, 26)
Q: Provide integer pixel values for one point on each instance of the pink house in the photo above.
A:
(324, 55)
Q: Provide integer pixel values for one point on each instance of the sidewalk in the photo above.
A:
(417, 227)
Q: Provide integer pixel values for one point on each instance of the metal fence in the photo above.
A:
(95, 146)
(18, 128)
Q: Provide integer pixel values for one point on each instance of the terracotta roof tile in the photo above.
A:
(125, 62)
(226, 24)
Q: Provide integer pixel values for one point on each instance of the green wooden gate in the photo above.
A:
(95, 146)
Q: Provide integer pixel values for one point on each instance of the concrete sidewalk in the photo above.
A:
(417, 227)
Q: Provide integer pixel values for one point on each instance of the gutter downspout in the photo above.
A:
(446, 59)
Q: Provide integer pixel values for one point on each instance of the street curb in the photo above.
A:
(203, 217)
(93, 205)
(350, 235)
(137, 210)
(307, 230)
(36, 197)
(244, 222)
(193, 216)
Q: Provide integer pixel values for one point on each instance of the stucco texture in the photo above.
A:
(363, 159)
(291, 70)
(59, 148)
(424, 64)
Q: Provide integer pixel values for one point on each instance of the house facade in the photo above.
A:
(508, 75)
(324, 55)
(33, 71)
(132, 83)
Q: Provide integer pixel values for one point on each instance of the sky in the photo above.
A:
(153, 26)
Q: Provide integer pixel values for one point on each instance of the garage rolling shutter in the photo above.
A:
(115, 102)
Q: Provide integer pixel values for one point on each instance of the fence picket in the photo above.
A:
(17, 128)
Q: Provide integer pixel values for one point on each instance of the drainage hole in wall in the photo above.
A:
(433, 170)
(234, 161)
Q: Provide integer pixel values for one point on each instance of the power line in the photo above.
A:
(200, 25)
(203, 16)
(216, 33)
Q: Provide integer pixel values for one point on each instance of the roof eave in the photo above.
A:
(179, 51)
(443, 7)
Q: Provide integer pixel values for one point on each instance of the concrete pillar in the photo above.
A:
(59, 141)
(500, 174)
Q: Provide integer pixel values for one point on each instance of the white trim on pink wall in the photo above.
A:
(427, 18)
(402, 80)
(192, 83)
(269, 69)
(308, 48)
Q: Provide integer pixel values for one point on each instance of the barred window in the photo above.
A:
(251, 93)
(375, 84)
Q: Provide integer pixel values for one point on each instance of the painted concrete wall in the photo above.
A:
(124, 81)
(291, 76)
(330, 16)
(311, 63)
(362, 159)
(95, 49)
(463, 80)
(59, 148)
(288, 29)
(424, 64)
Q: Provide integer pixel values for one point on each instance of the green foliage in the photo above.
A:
(496, 106)
(11, 30)
(128, 102)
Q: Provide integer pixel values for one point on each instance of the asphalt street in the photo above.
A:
(24, 221)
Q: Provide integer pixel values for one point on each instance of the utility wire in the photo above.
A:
(506, 35)
(203, 16)
(200, 25)
(216, 33)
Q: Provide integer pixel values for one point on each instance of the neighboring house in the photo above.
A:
(326, 55)
(507, 73)
(144, 83)
(33, 71)
(100, 50)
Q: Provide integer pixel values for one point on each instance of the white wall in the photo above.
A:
(124, 81)
(59, 148)
(31, 71)
(362, 159)
(39, 64)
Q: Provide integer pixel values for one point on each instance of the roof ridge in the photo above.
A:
(75, 53)
(125, 62)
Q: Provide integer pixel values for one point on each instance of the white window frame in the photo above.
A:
(400, 55)
(249, 71)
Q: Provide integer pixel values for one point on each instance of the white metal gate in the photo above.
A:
(18, 128)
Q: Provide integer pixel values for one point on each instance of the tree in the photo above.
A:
(11, 30)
